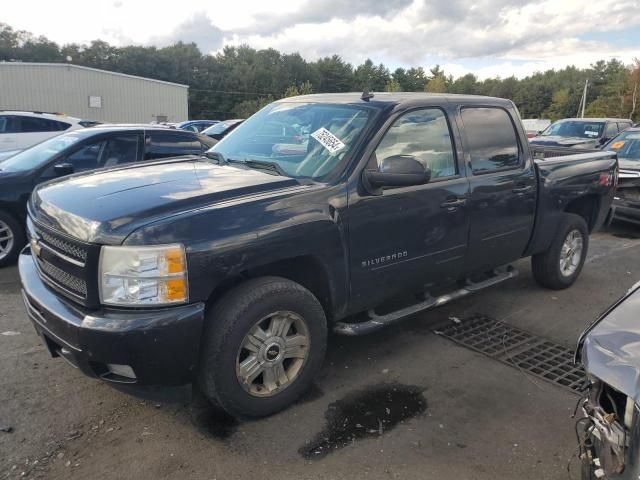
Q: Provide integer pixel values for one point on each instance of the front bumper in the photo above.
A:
(626, 211)
(160, 346)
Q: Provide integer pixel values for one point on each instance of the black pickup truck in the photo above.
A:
(333, 211)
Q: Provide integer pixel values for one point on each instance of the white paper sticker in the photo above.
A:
(328, 140)
(591, 133)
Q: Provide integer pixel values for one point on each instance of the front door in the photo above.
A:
(502, 198)
(409, 237)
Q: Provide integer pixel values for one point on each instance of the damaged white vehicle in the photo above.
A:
(609, 433)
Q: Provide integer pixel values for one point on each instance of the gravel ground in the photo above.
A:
(457, 414)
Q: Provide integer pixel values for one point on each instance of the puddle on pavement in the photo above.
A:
(367, 413)
(210, 420)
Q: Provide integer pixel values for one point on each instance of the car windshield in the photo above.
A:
(575, 128)
(38, 154)
(303, 140)
(626, 145)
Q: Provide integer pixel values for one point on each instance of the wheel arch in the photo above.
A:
(306, 270)
(586, 206)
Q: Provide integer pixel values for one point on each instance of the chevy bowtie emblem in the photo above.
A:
(35, 247)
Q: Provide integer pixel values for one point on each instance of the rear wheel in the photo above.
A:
(12, 239)
(559, 266)
(264, 345)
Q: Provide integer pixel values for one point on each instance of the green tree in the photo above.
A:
(436, 85)
(392, 86)
(306, 88)
(291, 91)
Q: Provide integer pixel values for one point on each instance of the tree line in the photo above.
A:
(239, 80)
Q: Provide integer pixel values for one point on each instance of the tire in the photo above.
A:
(267, 302)
(546, 266)
(12, 239)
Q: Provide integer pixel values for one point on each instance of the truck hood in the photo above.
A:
(611, 346)
(106, 206)
(556, 141)
(625, 164)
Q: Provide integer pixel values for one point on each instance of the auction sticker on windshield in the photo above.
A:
(328, 140)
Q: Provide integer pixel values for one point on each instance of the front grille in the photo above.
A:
(66, 264)
(64, 279)
(75, 251)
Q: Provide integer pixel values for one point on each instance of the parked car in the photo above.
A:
(222, 129)
(20, 130)
(79, 151)
(535, 126)
(228, 271)
(626, 203)
(609, 432)
(196, 126)
(582, 133)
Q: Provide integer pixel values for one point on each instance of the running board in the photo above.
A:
(376, 322)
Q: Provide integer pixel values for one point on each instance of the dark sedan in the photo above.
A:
(79, 151)
(626, 204)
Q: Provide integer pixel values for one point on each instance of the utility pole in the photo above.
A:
(583, 102)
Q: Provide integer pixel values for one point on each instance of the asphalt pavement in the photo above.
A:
(447, 412)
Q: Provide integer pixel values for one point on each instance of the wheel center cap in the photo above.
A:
(272, 352)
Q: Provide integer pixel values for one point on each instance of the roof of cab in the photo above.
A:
(387, 98)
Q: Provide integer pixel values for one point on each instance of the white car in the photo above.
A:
(20, 130)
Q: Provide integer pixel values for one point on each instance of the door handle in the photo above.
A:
(454, 203)
(522, 189)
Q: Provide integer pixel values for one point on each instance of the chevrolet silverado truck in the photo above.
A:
(227, 270)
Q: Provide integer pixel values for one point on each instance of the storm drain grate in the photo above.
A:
(510, 345)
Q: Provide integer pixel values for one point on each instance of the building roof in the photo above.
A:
(79, 67)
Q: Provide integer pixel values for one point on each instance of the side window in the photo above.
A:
(423, 134)
(491, 139)
(86, 158)
(611, 130)
(167, 144)
(34, 125)
(7, 124)
(58, 126)
(119, 150)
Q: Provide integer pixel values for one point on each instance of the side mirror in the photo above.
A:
(397, 171)
(63, 169)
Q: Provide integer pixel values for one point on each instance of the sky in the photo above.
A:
(486, 37)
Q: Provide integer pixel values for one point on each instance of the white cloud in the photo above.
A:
(495, 36)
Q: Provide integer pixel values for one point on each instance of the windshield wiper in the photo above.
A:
(262, 165)
(217, 156)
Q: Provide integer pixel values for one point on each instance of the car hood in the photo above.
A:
(106, 206)
(611, 346)
(556, 141)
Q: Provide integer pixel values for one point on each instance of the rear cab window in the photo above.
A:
(491, 139)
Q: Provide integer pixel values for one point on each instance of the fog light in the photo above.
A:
(121, 370)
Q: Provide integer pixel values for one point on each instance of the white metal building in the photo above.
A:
(90, 93)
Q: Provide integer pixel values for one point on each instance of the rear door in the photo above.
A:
(502, 187)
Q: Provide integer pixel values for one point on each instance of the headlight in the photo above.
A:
(140, 276)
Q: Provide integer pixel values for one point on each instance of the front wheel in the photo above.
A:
(559, 266)
(264, 344)
(12, 239)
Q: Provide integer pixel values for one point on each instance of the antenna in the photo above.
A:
(366, 96)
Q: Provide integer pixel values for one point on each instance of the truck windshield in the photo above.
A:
(626, 145)
(38, 154)
(575, 128)
(305, 140)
